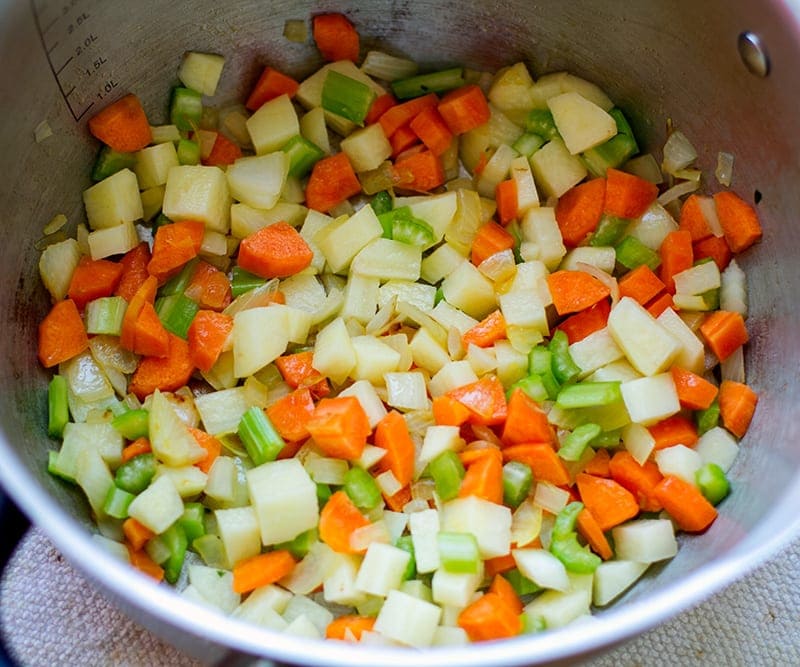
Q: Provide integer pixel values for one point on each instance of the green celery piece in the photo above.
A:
(362, 488)
(564, 543)
(412, 231)
(520, 583)
(211, 549)
(632, 253)
(533, 386)
(711, 298)
(133, 424)
(514, 229)
(117, 502)
(623, 126)
(382, 202)
(589, 394)
(712, 482)
(188, 152)
(540, 121)
(104, 315)
(135, 475)
(439, 296)
(176, 313)
(303, 155)
(458, 552)
(405, 543)
(708, 418)
(576, 442)
(613, 153)
(57, 406)
(186, 108)
(161, 220)
(243, 281)
(388, 218)
(346, 97)
(540, 362)
(517, 480)
(109, 162)
(192, 521)
(528, 143)
(432, 82)
(609, 231)
(262, 441)
(176, 541)
(532, 624)
(52, 467)
(607, 439)
(300, 545)
(324, 493)
(564, 367)
(447, 471)
(179, 282)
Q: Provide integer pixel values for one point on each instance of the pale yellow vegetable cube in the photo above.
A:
(170, 438)
(196, 192)
(246, 220)
(650, 399)
(360, 298)
(427, 352)
(238, 527)
(468, 289)
(258, 180)
(555, 169)
(341, 240)
(452, 375)
(273, 125)
(56, 265)
(581, 123)
(201, 71)
(373, 359)
(408, 620)
(387, 259)
(113, 240)
(440, 263)
(367, 147)
(540, 226)
(158, 506)
(260, 335)
(113, 201)
(153, 164)
(647, 344)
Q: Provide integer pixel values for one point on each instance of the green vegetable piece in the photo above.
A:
(179, 282)
(607, 439)
(564, 543)
(176, 313)
(135, 475)
(447, 471)
(303, 155)
(52, 467)
(515, 230)
(432, 82)
(57, 406)
(161, 220)
(711, 299)
(382, 202)
(713, 482)
(528, 143)
(412, 231)
(632, 253)
(517, 480)
(708, 418)
(540, 121)
(133, 424)
(532, 624)
(438, 296)
(540, 362)
(609, 231)
(188, 152)
(301, 544)
(192, 521)
(611, 154)
(346, 97)
(104, 315)
(520, 583)
(362, 488)
(623, 126)
(564, 367)
(243, 281)
(388, 218)
(117, 502)
(324, 493)
(577, 441)
(589, 394)
(109, 162)
(175, 540)
(262, 442)
(211, 549)
(458, 552)
(186, 108)
(533, 386)
(405, 543)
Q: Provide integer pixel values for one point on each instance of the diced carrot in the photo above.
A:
(490, 238)
(145, 294)
(609, 502)
(590, 530)
(737, 405)
(660, 304)
(136, 533)
(401, 115)
(290, 414)
(339, 427)
(142, 562)
(92, 279)
(694, 392)
(526, 421)
(505, 590)
(693, 220)
(212, 446)
(507, 198)
(173, 246)
(335, 37)
(738, 219)
(262, 570)
(290, 449)
(573, 291)
(398, 501)
(489, 617)
(165, 373)
(122, 125)
(349, 625)
(485, 399)
(640, 480)
(586, 322)
(338, 520)
(150, 337)
(473, 454)
(380, 105)
(715, 247)
(403, 140)
(486, 332)
(209, 287)
(484, 479)
(137, 447)
(297, 370)
(62, 334)
(271, 84)
(674, 430)
(275, 251)
(332, 181)
(627, 195)
(223, 152)
(430, 127)
(134, 271)
(464, 109)
(392, 434)
(448, 411)
(498, 565)
(676, 255)
(598, 464)
(641, 284)
(685, 504)
(421, 172)
(724, 332)
(579, 210)
(546, 465)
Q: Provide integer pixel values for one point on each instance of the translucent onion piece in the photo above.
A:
(378, 179)
(677, 191)
(388, 483)
(58, 221)
(678, 153)
(709, 210)
(724, 170)
(733, 367)
(646, 167)
(499, 266)
(455, 345)
(413, 506)
(42, 131)
(389, 68)
(550, 498)
(526, 523)
(259, 296)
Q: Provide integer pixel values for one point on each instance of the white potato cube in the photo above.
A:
(406, 391)
(374, 358)
(382, 569)
(451, 375)
(598, 349)
(559, 608)
(239, 530)
(424, 527)
(555, 169)
(440, 263)
(259, 336)
(489, 522)
(222, 410)
(647, 344)
(469, 290)
(341, 240)
(197, 192)
(455, 588)
(650, 399)
(153, 164)
(718, 446)
(542, 568)
(113, 200)
(427, 352)
(388, 260)
(340, 585)
(540, 227)
(439, 439)
(373, 406)
(645, 540)
(360, 298)
(188, 480)
(158, 506)
(112, 240)
(691, 352)
(334, 354)
(273, 125)
(367, 147)
(581, 123)
(680, 461)
(170, 438)
(201, 71)
(258, 180)
(408, 619)
(613, 578)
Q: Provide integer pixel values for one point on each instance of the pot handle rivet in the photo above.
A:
(753, 53)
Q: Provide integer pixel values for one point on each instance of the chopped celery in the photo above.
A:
(405, 543)
(520, 583)
(439, 296)
(607, 439)
(447, 471)
(176, 541)
(179, 282)
(52, 467)
(186, 108)
(540, 362)
(346, 97)
(243, 281)
(609, 231)
(188, 152)
(324, 492)
(57, 406)
(528, 143)
(540, 121)
(564, 543)
(515, 230)
(577, 441)
(192, 521)
(135, 475)
(117, 502)
(176, 313)
(713, 483)
(433, 82)
(104, 315)
(382, 202)
(262, 441)
(532, 624)
(458, 552)
(632, 253)
(533, 386)
(133, 424)
(708, 418)
(303, 154)
(362, 488)
(301, 544)
(612, 153)
(711, 299)
(517, 480)
(564, 368)
(412, 231)
(589, 394)
(623, 126)
(211, 549)
(109, 162)
(387, 219)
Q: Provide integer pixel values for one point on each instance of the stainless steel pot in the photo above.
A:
(65, 59)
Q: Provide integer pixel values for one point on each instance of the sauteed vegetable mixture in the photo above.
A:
(396, 357)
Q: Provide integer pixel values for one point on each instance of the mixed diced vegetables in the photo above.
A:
(393, 356)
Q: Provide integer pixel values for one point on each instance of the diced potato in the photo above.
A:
(113, 240)
(555, 169)
(680, 461)
(468, 289)
(650, 399)
(360, 298)
(56, 265)
(452, 318)
(367, 147)
(427, 352)
(653, 226)
(581, 123)
(512, 365)
(613, 578)
(439, 439)
(539, 226)
(527, 196)
(587, 89)
(510, 92)
(152, 200)
(598, 349)
(489, 522)
(215, 586)
(408, 620)
(523, 308)
(309, 93)
(341, 240)
(334, 354)
(645, 540)
(481, 359)
(388, 260)
(382, 569)
(201, 71)
(153, 164)
(188, 480)
(718, 446)
(170, 438)
(304, 292)
(436, 210)
(638, 441)
(93, 476)
(455, 588)
(500, 129)
(313, 128)
(451, 375)
(547, 86)
(424, 527)
(648, 345)
(260, 335)
(369, 399)
(239, 529)
(297, 322)
(222, 410)
(113, 200)
(604, 258)
(158, 506)
(406, 391)
(691, 352)
(543, 568)
(559, 608)
(339, 585)
(374, 358)
(196, 192)
(273, 125)
(495, 170)
(258, 180)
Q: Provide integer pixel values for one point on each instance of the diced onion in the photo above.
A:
(484, 433)
(526, 522)
(324, 470)
(259, 296)
(58, 221)
(733, 367)
(42, 131)
(499, 266)
(295, 30)
(677, 191)
(724, 170)
(646, 167)
(378, 179)
(678, 153)
(423, 489)
(389, 68)
(603, 277)
(362, 537)
(388, 483)
(415, 505)
(709, 211)
(550, 498)
(455, 344)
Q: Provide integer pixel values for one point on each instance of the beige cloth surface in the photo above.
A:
(52, 616)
